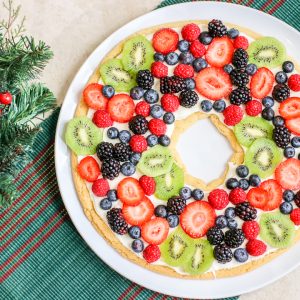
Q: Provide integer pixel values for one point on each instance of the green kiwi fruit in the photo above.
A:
(137, 54)
(252, 128)
(262, 157)
(267, 52)
(169, 184)
(113, 73)
(156, 161)
(82, 136)
(277, 230)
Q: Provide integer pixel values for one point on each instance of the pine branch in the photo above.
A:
(8, 192)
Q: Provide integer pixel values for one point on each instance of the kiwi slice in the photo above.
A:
(137, 54)
(252, 128)
(177, 248)
(113, 73)
(267, 52)
(262, 157)
(169, 184)
(83, 136)
(156, 161)
(277, 229)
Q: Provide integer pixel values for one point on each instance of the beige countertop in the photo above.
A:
(74, 28)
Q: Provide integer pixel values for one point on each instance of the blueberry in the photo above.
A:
(151, 96)
(152, 140)
(232, 224)
(206, 105)
(281, 77)
(288, 195)
(199, 64)
(173, 220)
(197, 194)
(164, 140)
(286, 208)
(190, 83)
(268, 114)
(268, 102)
(244, 184)
(134, 232)
(254, 180)
(278, 121)
(240, 255)
(228, 68)
(156, 111)
(112, 133)
(230, 213)
(159, 56)
(185, 192)
(135, 157)
(136, 93)
(251, 69)
(219, 105)
(205, 38)
(112, 195)
(108, 91)
(169, 118)
(242, 171)
(124, 136)
(183, 45)
(137, 246)
(233, 33)
(127, 168)
(289, 152)
(171, 58)
(161, 211)
(186, 58)
(221, 222)
(295, 141)
(232, 183)
(105, 204)
(288, 67)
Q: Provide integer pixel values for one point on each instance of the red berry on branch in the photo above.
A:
(5, 98)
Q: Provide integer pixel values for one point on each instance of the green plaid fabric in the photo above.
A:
(42, 255)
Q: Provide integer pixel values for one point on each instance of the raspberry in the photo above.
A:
(169, 102)
(256, 247)
(148, 184)
(294, 82)
(295, 216)
(157, 127)
(143, 109)
(190, 32)
(253, 108)
(100, 187)
(237, 196)
(250, 229)
(241, 42)
(184, 71)
(233, 114)
(138, 143)
(151, 253)
(197, 49)
(102, 119)
(218, 199)
(159, 70)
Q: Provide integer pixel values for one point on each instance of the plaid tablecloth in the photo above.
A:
(41, 255)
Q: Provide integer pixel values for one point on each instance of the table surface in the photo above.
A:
(71, 48)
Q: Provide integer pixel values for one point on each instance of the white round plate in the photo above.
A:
(224, 287)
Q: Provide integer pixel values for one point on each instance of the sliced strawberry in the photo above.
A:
(261, 83)
(257, 197)
(274, 192)
(165, 40)
(121, 108)
(93, 97)
(290, 108)
(138, 215)
(155, 231)
(88, 169)
(287, 174)
(219, 53)
(196, 218)
(293, 125)
(213, 83)
(130, 191)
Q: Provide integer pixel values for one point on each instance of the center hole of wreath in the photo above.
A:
(204, 151)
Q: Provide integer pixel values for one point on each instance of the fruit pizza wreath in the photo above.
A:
(133, 186)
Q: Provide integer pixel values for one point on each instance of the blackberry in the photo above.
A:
(239, 77)
(105, 150)
(216, 28)
(110, 168)
(281, 136)
(240, 58)
(172, 84)
(245, 211)
(138, 124)
(145, 79)
(116, 221)
(297, 199)
(280, 92)
(223, 253)
(122, 152)
(176, 205)
(215, 236)
(234, 238)
(240, 96)
(188, 98)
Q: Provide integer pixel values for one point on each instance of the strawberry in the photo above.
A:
(157, 127)
(155, 231)
(130, 192)
(93, 97)
(121, 108)
(197, 49)
(170, 102)
(294, 82)
(237, 196)
(151, 253)
(100, 187)
(290, 108)
(165, 40)
(274, 192)
(213, 83)
(295, 216)
(233, 115)
(261, 83)
(138, 143)
(287, 174)
(102, 119)
(184, 71)
(219, 53)
(218, 199)
(88, 169)
(159, 70)
(148, 184)
(293, 125)
(143, 108)
(256, 247)
(257, 197)
(5, 98)
(241, 42)
(196, 218)
(253, 108)
(251, 230)
(139, 214)
(190, 32)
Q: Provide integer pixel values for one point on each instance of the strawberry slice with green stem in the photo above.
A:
(93, 97)
(155, 231)
(290, 108)
(261, 83)
(88, 169)
(130, 192)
